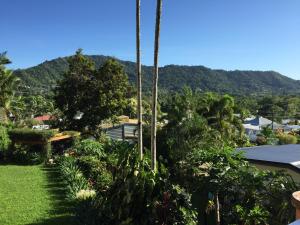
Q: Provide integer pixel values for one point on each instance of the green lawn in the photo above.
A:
(32, 195)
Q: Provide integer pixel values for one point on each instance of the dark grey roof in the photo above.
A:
(259, 121)
(274, 154)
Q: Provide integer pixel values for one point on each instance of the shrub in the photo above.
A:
(89, 148)
(72, 175)
(261, 140)
(287, 139)
(4, 138)
(96, 172)
(26, 134)
(32, 122)
(25, 154)
(138, 196)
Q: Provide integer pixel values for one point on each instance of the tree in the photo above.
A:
(98, 94)
(8, 83)
(139, 80)
(154, 85)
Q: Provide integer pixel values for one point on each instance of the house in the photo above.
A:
(254, 125)
(275, 157)
(126, 129)
(261, 122)
(288, 128)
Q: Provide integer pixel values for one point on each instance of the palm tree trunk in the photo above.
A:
(139, 80)
(154, 85)
(217, 209)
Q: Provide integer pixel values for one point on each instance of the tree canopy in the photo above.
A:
(97, 93)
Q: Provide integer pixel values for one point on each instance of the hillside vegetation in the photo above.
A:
(174, 77)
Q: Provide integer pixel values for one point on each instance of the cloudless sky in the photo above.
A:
(221, 34)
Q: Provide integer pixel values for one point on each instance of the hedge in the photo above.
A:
(27, 135)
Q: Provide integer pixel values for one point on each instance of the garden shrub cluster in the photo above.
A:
(25, 154)
(109, 184)
(287, 139)
(269, 137)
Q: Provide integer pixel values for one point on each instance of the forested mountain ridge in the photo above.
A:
(174, 77)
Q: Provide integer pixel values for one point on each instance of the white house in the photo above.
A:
(254, 125)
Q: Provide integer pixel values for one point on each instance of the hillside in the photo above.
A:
(173, 77)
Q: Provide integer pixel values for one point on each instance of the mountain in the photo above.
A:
(173, 78)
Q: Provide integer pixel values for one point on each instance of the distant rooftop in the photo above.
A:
(282, 155)
(258, 121)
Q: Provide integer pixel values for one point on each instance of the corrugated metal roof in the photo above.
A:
(281, 154)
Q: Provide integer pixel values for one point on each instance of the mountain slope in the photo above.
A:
(174, 77)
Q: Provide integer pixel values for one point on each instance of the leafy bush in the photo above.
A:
(26, 134)
(24, 154)
(142, 196)
(89, 148)
(72, 175)
(96, 171)
(32, 122)
(287, 139)
(4, 139)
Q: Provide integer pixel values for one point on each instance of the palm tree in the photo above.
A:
(8, 83)
(139, 79)
(154, 85)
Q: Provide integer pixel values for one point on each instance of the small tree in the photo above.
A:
(98, 94)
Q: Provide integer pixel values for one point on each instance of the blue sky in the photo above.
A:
(221, 34)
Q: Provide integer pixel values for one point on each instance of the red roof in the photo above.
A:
(44, 118)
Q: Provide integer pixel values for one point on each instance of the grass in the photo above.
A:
(32, 195)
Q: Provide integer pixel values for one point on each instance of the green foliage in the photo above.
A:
(267, 137)
(279, 107)
(247, 195)
(287, 139)
(257, 215)
(72, 176)
(128, 192)
(26, 106)
(89, 148)
(98, 93)
(195, 119)
(4, 139)
(8, 83)
(25, 154)
(27, 135)
(142, 196)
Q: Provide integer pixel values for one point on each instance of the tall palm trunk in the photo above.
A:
(154, 85)
(217, 209)
(139, 80)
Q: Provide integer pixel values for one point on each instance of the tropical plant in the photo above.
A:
(88, 148)
(72, 175)
(8, 83)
